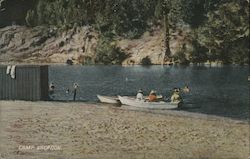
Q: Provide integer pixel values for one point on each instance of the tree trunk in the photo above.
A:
(167, 51)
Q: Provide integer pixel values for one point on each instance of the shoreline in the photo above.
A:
(124, 65)
(173, 112)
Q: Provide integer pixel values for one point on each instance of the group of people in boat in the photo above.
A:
(152, 97)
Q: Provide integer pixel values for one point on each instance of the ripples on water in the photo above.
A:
(217, 90)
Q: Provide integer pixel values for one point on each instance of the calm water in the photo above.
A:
(220, 91)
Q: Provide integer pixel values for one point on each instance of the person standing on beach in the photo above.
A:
(75, 87)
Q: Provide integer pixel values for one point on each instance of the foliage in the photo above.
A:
(14, 11)
(108, 53)
(30, 18)
(180, 56)
(199, 54)
(146, 61)
(128, 18)
(220, 28)
(226, 32)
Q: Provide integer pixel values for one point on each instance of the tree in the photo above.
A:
(30, 18)
(14, 11)
(108, 53)
(226, 32)
(172, 13)
(166, 12)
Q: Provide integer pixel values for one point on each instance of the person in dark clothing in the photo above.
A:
(75, 87)
(51, 90)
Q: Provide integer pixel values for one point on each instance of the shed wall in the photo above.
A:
(31, 83)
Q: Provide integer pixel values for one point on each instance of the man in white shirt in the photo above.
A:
(139, 95)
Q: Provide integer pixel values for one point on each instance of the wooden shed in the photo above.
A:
(30, 83)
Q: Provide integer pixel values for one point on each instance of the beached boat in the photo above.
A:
(108, 99)
(145, 104)
(115, 100)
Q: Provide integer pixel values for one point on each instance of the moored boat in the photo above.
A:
(145, 104)
(108, 99)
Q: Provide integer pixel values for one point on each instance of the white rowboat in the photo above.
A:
(108, 99)
(145, 104)
(115, 100)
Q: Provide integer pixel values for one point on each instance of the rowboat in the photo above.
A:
(145, 104)
(115, 100)
(108, 99)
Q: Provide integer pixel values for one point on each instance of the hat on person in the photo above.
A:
(140, 91)
(177, 90)
(152, 92)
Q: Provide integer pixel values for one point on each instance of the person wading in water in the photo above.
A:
(51, 90)
(75, 87)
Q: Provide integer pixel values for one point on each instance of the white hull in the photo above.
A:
(152, 105)
(108, 99)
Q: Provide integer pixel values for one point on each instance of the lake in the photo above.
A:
(222, 91)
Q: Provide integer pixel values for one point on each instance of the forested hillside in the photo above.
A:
(217, 30)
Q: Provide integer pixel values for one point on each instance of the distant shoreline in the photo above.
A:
(177, 64)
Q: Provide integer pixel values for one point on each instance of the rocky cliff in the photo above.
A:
(45, 45)
(19, 44)
(151, 46)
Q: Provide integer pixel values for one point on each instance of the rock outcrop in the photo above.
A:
(151, 46)
(46, 45)
(19, 44)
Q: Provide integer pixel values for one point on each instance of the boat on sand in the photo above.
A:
(115, 100)
(108, 99)
(145, 104)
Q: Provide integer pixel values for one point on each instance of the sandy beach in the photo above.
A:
(54, 130)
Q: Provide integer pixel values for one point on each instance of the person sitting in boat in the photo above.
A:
(176, 96)
(186, 89)
(139, 95)
(152, 96)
